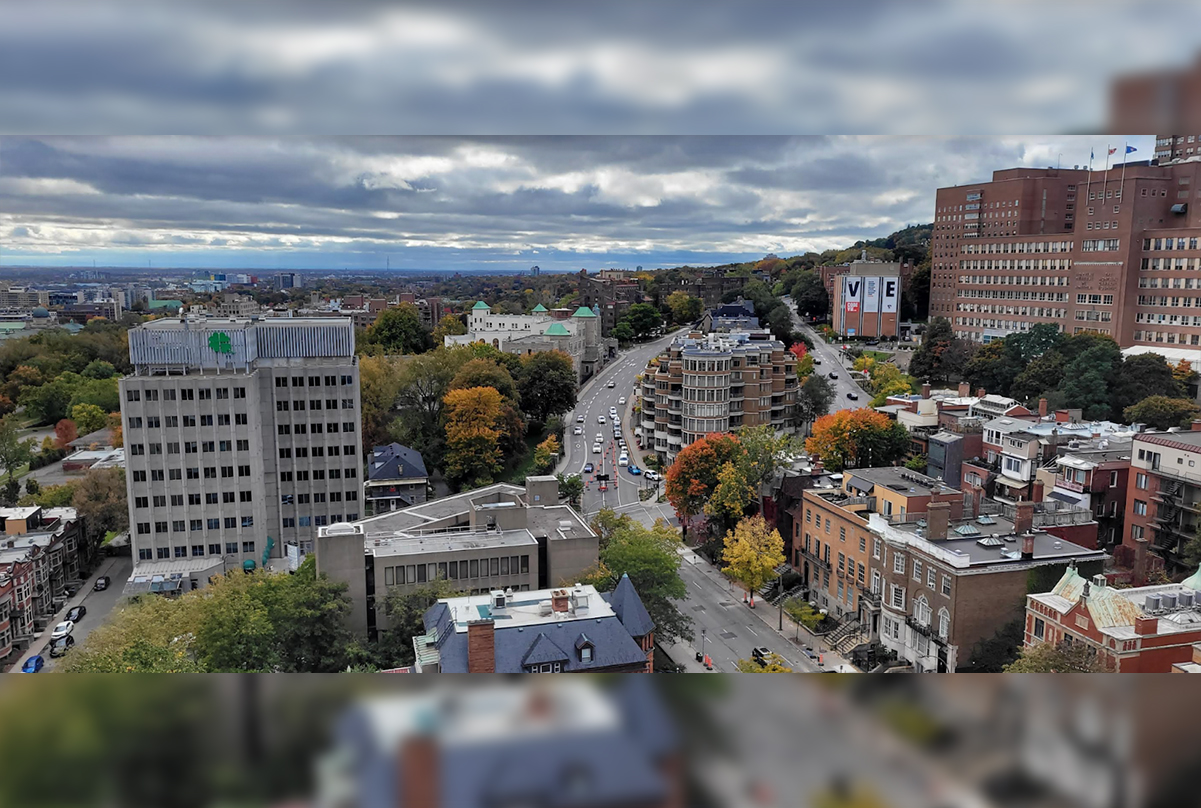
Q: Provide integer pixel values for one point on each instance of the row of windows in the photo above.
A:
(1022, 311)
(1008, 326)
(173, 421)
(314, 381)
(1173, 302)
(317, 521)
(1016, 280)
(1169, 244)
(314, 428)
(160, 500)
(1095, 300)
(1100, 245)
(189, 447)
(456, 570)
(183, 525)
(194, 473)
(1095, 316)
(1019, 247)
(198, 550)
(1006, 294)
(1169, 337)
(1018, 264)
(1166, 264)
(1163, 283)
(303, 499)
(299, 405)
(184, 394)
(317, 451)
(318, 474)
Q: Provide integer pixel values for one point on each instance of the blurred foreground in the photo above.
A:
(822, 741)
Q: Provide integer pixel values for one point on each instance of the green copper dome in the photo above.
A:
(584, 311)
(480, 305)
(1193, 581)
(557, 330)
(539, 309)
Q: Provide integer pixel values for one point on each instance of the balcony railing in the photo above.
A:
(816, 559)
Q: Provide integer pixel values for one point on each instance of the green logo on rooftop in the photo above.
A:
(220, 342)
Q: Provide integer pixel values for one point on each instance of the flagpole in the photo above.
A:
(1122, 186)
(1089, 185)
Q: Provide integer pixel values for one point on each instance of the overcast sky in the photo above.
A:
(561, 203)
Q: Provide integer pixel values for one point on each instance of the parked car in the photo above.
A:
(62, 629)
(588, 468)
(101, 583)
(762, 655)
(33, 665)
(833, 375)
(61, 646)
(853, 396)
(76, 614)
(652, 475)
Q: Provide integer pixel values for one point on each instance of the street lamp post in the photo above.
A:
(781, 597)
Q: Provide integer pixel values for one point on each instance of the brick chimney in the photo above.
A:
(980, 392)
(1140, 562)
(419, 772)
(1042, 408)
(975, 497)
(926, 390)
(559, 601)
(1196, 425)
(481, 647)
(938, 518)
(1023, 520)
(965, 389)
(1027, 548)
(1146, 625)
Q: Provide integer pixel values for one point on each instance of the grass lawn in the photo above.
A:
(879, 356)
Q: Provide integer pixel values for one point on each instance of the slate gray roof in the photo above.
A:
(628, 606)
(543, 650)
(395, 462)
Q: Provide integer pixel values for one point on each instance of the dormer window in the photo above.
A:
(584, 648)
(586, 653)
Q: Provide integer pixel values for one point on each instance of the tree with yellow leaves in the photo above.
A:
(730, 496)
(752, 552)
(473, 422)
(546, 454)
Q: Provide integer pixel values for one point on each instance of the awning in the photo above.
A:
(1010, 483)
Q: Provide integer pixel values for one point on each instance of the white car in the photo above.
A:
(579, 419)
(579, 430)
(653, 476)
(613, 411)
(624, 460)
(596, 448)
(63, 629)
(611, 384)
(621, 402)
(600, 419)
(600, 438)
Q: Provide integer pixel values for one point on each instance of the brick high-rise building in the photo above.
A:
(237, 431)
(1116, 252)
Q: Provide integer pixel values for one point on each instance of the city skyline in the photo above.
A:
(483, 204)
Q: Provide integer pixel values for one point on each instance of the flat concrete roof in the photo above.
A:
(454, 542)
(524, 609)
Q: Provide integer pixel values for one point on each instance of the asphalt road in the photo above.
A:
(831, 363)
(594, 402)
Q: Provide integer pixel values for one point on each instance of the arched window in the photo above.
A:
(921, 610)
(944, 623)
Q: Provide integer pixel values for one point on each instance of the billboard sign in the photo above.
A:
(890, 295)
(871, 294)
(852, 289)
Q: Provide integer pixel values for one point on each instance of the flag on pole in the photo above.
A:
(1114, 150)
(1130, 149)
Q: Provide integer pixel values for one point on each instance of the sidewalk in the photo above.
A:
(684, 655)
(40, 642)
(802, 637)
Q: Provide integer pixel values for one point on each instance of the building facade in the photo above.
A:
(1164, 495)
(610, 295)
(867, 300)
(706, 383)
(396, 478)
(1116, 252)
(241, 437)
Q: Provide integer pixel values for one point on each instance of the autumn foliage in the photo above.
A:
(65, 432)
(694, 475)
(473, 431)
(860, 438)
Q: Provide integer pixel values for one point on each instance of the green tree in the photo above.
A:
(810, 295)
(486, 373)
(379, 388)
(52, 496)
(14, 452)
(423, 382)
(1062, 658)
(1042, 374)
(994, 367)
(917, 463)
(49, 403)
(1141, 376)
(1041, 339)
(571, 488)
(547, 384)
(942, 356)
(1088, 378)
(100, 499)
(649, 557)
(775, 664)
(99, 369)
(766, 453)
(642, 318)
(685, 308)
(814, 399)
(731, 496)
(449, 326)
(399, 330)
(1162, 412)
(406, 610)
(100, 393)
(622, 333)
(88, 418)
(753, 550)
(918, 297)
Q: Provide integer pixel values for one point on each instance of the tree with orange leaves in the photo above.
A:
(860, 438)
(694, 475)
(473, 431)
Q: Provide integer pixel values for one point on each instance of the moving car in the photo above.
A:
(101, 583)
(76, 614)
(579, 419)
(62, 629)
(621, 401)
(61, 646)
(600, 438)
(33, 665)
(833, 375)
(600, 419)
(579, 430)
(624, 460)
(596, 448)
(633, 469)
(611, 385)
(587, 468)
(613, 412)
(816, 361)
(853, 396)
(763, 656)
